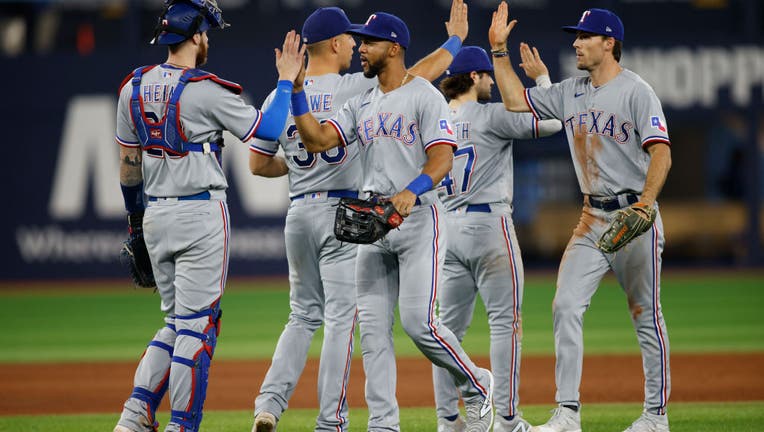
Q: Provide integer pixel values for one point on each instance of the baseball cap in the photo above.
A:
(599, 21)
(325, 23)
(385, 26)
(468, 59)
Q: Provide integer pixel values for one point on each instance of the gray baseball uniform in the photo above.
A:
(483, 255)
(321, 269)
(608, 130)
(394, 130)
(187, 232)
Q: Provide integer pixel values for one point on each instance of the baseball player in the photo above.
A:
(322, 269)
(173, 155)
(483, 255)
(617, 136)
(406, 142)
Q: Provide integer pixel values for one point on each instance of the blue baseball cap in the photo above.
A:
(599, 21)
(385, 26)
(468, 59)
(325, 23)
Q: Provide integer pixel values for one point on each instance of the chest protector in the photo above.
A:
(167, 133)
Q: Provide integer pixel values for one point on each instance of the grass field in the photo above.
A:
(709, 312)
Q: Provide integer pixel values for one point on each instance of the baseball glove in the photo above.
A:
(363, 222)
(628, 224)
(134, 254)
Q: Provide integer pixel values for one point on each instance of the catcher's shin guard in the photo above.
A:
(151, 381)
(204, 327)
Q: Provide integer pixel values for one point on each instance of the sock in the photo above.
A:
(452, 418)
(509, 418)
(572, 407)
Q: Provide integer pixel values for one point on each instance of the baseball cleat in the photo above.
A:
(445, 425)
(119, 428)
(264, 422)
(562, 420)
(480, 411)
(649, 422)
(517, 424)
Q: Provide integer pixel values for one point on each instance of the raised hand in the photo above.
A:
(291, 60)
(457, 24)
(532, 64)
(500, 29)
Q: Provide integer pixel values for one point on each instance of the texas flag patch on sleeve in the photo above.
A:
(444, 126)
(655, 122)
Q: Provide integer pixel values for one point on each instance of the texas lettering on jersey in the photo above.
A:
(598, 123)
(387, 125)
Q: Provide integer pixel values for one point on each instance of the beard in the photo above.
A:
(201, 55)
(484, 95)
(372, 70)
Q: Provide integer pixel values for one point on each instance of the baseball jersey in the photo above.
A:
(482, 170)
(206, 109)
(334, 169)
(608, 128)
(394, 130)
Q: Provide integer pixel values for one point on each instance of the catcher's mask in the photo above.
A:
(181, 19)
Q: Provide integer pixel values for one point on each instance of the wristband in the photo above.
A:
(500, 53)
(133, 196)
(452, 45)
(299, 104)
(420, 185)
(543, 81)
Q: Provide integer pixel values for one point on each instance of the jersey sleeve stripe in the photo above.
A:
(529, 102)
(261, 151)
(340, 132)
(251, 132)
(535, 127)
(647, 142)
(127, 143)
(439, 141)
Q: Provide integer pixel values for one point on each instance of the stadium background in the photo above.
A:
(63, 61)
(74, 328)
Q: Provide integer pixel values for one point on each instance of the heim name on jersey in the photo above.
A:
(595, 122)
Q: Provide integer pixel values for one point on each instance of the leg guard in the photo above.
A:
(150, 382)
(194, 348)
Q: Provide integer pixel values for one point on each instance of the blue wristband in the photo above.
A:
(133, 196)
(420, 185)
(299, 104)
(452, 45)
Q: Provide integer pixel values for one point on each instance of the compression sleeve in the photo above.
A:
(274, 117)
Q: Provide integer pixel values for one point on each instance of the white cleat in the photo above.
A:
(649, 422)
(480, 411)
(264, 422)
(445, 425)
(562, 420)
(119, 428)
(517, 424)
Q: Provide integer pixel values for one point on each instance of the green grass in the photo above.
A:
(699, 417)
(706, 313)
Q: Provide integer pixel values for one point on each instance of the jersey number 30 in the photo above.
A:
(307, 160)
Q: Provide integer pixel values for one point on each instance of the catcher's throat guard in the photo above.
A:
(364, 222)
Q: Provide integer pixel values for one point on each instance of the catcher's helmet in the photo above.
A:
(181, 19)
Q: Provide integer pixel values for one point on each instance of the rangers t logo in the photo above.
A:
(655, 122)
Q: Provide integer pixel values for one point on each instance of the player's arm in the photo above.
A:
(511, 88)
(440, 158)
(533, 66)
(267, 166)
(434, 64)
(131, 177)
(289, 62)
(657, 171)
